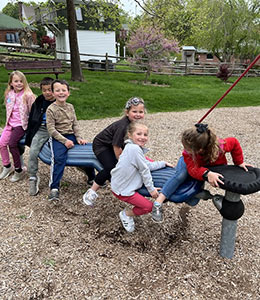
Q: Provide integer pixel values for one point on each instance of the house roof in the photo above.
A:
(7, 22)
(202, 51)
(188, 48)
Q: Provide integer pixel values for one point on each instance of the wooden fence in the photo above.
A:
(123, 64)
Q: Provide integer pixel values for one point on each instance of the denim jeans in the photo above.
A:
(176, 180)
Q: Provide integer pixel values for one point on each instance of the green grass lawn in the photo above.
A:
(104, 94)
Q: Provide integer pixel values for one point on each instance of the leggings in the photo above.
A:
(142, 205)
(10, 138)
(108, 159)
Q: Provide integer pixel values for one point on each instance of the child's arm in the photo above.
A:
(53, 132)
(30, 99)
(117, 151)
(232, 145)
(141, 163)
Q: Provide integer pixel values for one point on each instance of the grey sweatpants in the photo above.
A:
(38, 141)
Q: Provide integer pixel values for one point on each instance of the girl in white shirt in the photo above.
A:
(131, 172)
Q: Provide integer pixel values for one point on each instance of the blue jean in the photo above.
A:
(59, 157)
(172, 184)
(176, 180)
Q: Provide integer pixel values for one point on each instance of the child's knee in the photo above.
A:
(148, 207)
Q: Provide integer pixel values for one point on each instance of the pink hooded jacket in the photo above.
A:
(24, 108)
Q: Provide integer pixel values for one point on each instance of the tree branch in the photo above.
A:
(146, 10)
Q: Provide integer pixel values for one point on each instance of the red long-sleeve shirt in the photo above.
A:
(196, 168)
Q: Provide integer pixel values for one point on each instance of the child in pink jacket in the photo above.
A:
(18, 101)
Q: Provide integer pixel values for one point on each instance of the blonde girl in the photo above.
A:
(18, 102)
(131, 172)
(108, 145)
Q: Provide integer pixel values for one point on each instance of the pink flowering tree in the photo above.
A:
(151, 50)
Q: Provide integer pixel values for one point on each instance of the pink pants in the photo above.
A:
(142, 205)
(10, 137)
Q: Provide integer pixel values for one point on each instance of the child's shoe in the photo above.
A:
(17, 176)
(6, 172)
(34, 185)
(54, 195)
(157, 213)
(128, 222)
(90, 197)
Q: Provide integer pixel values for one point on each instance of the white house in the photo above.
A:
(89, 41)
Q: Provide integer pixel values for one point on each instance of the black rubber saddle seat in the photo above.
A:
(237, 180)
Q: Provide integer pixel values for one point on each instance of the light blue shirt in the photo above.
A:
(133, 170)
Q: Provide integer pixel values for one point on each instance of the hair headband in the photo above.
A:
(133, 101)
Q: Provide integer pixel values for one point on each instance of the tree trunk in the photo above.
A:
(76, 71)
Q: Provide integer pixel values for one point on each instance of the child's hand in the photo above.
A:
(82, 142)
(155, 193)
(243, 166)
(69, 144)
(214, 179)
(169, 165)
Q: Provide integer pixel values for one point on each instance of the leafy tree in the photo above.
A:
(172, 16)
(11, 9)
(149, 46)
(225, 27)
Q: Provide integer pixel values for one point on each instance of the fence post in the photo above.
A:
(55, 53)
(106, 66)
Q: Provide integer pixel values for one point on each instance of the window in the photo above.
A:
(12, 37)
(78, 14)
(209, 56)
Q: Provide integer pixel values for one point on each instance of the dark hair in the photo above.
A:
(61, 82)
(46, 81)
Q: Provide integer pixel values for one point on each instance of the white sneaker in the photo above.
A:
(128, 222)
(6, 172)
(17, 176)
(89, 197)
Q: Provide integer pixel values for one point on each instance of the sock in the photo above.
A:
(8, 166)
(125, 215)
(157, 203)
(18, 170)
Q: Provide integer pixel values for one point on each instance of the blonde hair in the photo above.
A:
(27, 90)
(201, 138)
(132, 127)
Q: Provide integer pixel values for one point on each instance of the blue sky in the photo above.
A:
(128, 5)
